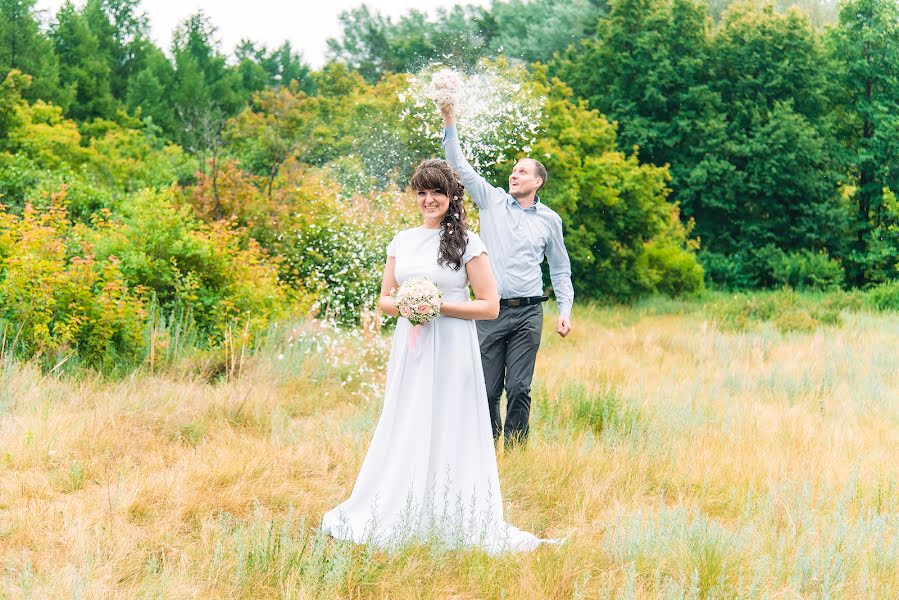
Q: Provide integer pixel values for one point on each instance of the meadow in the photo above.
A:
(696, 455)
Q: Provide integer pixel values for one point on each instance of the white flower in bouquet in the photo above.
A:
(444, 88)
(418, 300)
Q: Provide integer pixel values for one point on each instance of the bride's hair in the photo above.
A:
(436, 174)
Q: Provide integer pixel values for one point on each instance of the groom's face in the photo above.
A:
(523, 181)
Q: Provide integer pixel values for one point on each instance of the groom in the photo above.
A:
(519, 231)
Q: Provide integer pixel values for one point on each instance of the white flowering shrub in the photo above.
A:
(339, 256)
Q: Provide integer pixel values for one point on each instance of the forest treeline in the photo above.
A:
(155, 195)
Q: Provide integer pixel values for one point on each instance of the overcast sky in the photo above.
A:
(306, 23)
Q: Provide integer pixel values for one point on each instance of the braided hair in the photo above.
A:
(436, 174)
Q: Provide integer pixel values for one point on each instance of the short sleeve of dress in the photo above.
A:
(474, 247)
(391, 247)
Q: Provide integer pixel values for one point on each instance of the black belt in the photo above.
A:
(523, 301)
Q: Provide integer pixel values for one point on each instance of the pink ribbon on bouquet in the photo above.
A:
(412, 340)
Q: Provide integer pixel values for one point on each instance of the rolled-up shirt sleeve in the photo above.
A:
(478, 187)
(560, 268)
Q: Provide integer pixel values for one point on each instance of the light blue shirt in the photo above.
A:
(517, 238)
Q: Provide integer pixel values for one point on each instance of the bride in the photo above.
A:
(430, 473)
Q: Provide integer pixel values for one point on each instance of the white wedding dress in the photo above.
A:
(430, 473)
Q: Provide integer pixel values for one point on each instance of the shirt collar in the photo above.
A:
(514, 202)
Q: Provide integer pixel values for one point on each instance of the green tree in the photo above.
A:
(205, 90)
(10, 101)
(252, 75)
(865, 45)
(258, 68)
(646, 68)
(738, 114)
(270, 131)
(284, 65)
(819, 12)
(123, 36)
(374, 45)
(624, 236)
(24, 47)
(149, 92)
(779, 189)
(536, 30)
(83, 72)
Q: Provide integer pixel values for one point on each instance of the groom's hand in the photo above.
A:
(449, 115)
(563, 327)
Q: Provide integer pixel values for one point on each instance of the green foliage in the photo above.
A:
(600, 410)
(127, 159)
(84, 74)
(865, 46)
(23, 47)
(535, 30)
(819, 12)
(461, 36)
(356, 127)
(645, 68)
(269, 132)
(771, 142)
(10, 101)
(671, 270)
(340, 257)
(148, 93)
(123, 36)
(45, 136)
(787, 310)
(737, 113)
(260, 68)
(97, 162)
(331, 247)
(623, 236)
(210, 271)
(374, 46)
(806, 270)
(884, 297)
(18, 177)
(58, 299)
(881, 262)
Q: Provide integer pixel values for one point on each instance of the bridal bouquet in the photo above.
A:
(418, 300)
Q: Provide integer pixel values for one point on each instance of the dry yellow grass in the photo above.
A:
(693, 463)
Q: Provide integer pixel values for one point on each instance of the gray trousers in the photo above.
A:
(509, 346)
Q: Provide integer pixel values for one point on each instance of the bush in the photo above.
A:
(805, 270)
(725, 271)
(786, 309)
(331, 248)
(210, 271)
(339, 257)
(884, 297)
(673, 271)
(58, 299)
(770, 266)
(18, 175)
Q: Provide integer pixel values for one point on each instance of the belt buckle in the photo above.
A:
(514, 302)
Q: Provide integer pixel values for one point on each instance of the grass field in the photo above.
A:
(696, 457)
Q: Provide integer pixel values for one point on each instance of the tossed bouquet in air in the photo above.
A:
(445, 88)
(418, 300)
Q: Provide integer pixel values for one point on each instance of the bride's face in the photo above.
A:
(433, 204)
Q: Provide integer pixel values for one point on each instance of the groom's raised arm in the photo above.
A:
(480, 190)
